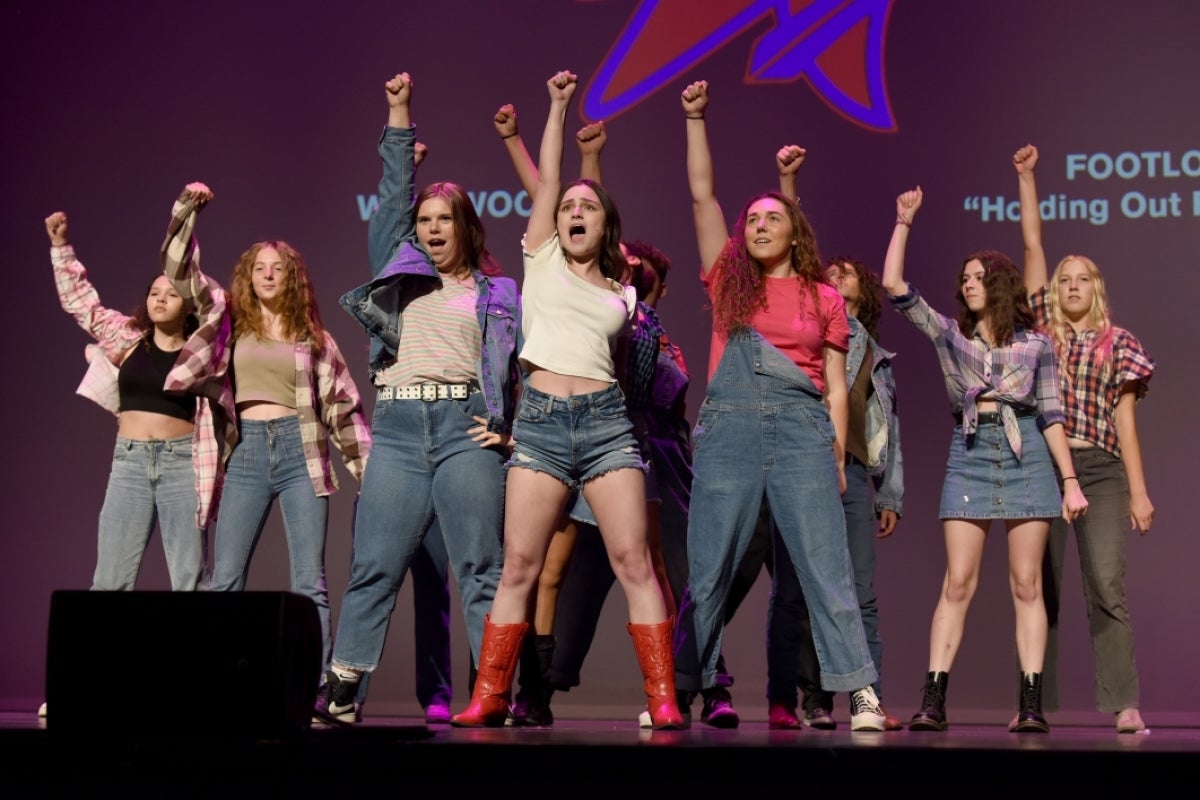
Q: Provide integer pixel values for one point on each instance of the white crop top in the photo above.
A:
(571, 325)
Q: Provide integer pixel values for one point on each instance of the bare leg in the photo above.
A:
(1026, 547)
(533, 505)
(558, 558)
(964, 554)
(618, 499)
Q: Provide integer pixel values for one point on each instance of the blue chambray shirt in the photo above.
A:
(395, 254)
(885, 461)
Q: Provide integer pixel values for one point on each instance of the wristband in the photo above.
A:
(514, 133)
(1070, 478)
(694, 116)
(901, 221)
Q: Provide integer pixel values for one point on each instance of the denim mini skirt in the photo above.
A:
(984, 479)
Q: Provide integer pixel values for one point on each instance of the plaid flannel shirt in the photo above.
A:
(327, 400)
(642, 357)
(1089, 396)
(1021, 374)
(115, 333)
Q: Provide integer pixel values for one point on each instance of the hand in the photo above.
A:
(887, 523)
(1074, 503)
(789, 159)
(1025, 159)
(56, 228)
(486, 438)
(1141, 513)
(398, 90)
(198, 194)
(420, 150)
(592, 138)
(561, 86)
(505, 121)
(907, 205)
(695, 98)
(841, 473)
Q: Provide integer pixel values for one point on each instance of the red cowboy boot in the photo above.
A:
(653, 646)
(493, 682)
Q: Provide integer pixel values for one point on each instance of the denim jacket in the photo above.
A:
(395, 254)
(885, 463)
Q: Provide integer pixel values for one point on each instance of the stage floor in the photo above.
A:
(583, 758)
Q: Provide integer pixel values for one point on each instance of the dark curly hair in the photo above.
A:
(653, 269)
(1007, 305)
(740, 289)
(610, 258)
(870, 290)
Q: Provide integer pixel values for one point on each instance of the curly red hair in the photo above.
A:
(301, 316)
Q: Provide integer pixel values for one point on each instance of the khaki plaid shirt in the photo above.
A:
(327, 400)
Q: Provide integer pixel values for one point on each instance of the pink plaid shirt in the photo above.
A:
(115, 333)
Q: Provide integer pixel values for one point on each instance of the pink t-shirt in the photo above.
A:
(789, 323)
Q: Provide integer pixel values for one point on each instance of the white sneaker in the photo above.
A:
(42, 710)
(644, 720)
(865, 713)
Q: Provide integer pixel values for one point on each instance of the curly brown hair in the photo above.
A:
(870, 291)
(740, 289)
(610, 258)
(301, 316)
(468, 228)
(1007, 305)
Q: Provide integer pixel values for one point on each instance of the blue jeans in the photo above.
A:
(431, 623)
(269, 463)
(423, 464)
(151, 481)
(763, 428)
(790, 649)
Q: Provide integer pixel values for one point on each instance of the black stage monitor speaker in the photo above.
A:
(245, 663)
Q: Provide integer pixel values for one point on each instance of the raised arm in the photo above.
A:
(111, 329)
(591, 139)
(711, 233)
(180, 253)
(907, 205)
(392, 221)
(788, 161)
(1036, 274)
(505, 120)
(542, 220)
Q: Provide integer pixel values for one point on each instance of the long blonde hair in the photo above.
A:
(1097, 319)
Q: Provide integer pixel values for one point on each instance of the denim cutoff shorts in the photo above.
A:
(984, 479)
(574, 438)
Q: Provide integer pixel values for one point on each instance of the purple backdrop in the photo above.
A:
(111, 108)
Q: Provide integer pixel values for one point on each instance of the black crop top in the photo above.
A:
(141, 380)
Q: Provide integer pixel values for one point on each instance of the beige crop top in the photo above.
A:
(264, 370)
